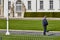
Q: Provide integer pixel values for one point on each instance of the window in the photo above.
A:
(0, 1)
(19, 14)
(8, 14)
(29, 5)
(41, 4)
(18, 7)
(51, 4)
(18, 2)
(9, 4)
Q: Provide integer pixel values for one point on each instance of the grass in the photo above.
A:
(54, 25)
(29, 37)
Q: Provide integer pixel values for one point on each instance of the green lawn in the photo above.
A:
(29, 37)
(54, 25)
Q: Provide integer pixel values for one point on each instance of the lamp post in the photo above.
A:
(7, 31)
(6, 14)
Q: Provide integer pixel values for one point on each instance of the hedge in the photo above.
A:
(41, 14)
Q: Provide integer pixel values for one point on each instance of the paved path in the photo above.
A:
(34, 18)
(31, 18)
(30, 32)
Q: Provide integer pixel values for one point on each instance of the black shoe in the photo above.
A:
(44, 33)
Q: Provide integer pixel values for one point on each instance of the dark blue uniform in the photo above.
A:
(45, 23)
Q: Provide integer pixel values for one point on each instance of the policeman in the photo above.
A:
(45, 23)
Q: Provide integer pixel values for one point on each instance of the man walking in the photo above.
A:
(45, 23)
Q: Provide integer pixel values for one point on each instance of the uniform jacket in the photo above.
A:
(45, 23)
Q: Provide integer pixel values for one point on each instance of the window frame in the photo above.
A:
(51, 7)
(41, 5)
(18, 7)
(29, 5)
(9, 5)
(0, 2)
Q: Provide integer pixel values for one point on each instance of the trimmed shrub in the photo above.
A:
(41, 14)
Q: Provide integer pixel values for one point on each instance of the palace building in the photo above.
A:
(17, 8)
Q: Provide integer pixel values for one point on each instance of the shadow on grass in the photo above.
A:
(51, 35)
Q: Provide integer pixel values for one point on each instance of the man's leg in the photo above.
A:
(44, 30)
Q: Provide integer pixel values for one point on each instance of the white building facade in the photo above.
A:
(16, 8)
(43, 5)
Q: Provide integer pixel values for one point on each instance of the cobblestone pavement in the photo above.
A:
(31, 32)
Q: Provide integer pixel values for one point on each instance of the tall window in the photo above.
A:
(41, 4)
(9, 4)
(29, 5)
(51, 4)
(0, 1)
(18, 6)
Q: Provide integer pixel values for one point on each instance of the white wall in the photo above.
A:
(33, 5)
(46, 6)
(56, 5)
